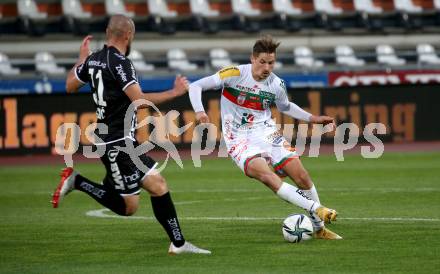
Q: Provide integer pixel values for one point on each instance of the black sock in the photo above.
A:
(165, 213)
(102, 194)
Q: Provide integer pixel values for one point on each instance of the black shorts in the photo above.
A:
(122, 173)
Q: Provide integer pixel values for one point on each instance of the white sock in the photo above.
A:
(316, 221)
(312, 194)
(297, 197)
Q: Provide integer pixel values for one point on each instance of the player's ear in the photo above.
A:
(128, 35)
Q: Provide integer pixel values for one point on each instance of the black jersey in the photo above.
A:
(109, 73)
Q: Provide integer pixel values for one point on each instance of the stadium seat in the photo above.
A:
(177, 60)
(345, 56)
(77, 20)
(285, 7)
(29, 9)
(327, 7)
(160, 8)
(31, 19)
(332, 17)
(278, 65)
(367, 6)
(139, 62)
(437, 11)
(6, 68)
(74, 9)
(413, 16)
(426, 55)
(407, 6)
(220, 58)
(244, 7)
(375, 17)
(113, 7)
(304, 58)
(45, 64)
(247, 17)
(202, 8)
(205, 18)
(292, 18)
(386, 56)
(163, 19)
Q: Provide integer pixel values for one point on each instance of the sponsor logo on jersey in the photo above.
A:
(247, 118)
(79, 68)
(259, 101)
(275, 138)
(133, 71)
(120, 56)
(116, 174)
(132, 178)
(267, 95)
(94, 63)
(121, 73)
(229, 72)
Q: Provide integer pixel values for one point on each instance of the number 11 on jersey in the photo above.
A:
(98, 92)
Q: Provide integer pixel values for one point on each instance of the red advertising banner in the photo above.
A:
(369, 78)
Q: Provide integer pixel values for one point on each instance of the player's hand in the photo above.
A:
(181, 85)
(202, 117)
(84, 49)
(325, 120)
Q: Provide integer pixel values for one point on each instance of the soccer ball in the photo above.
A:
(297, 228)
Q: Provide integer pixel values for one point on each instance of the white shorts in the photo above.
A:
(264, 141)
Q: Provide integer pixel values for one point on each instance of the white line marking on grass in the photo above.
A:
(102, 213)
(321, 189)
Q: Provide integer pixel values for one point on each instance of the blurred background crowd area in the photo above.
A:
(40, 39)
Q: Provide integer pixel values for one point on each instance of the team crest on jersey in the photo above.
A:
(266, 103)
(283, 84)
(229, 72)
(241, 98)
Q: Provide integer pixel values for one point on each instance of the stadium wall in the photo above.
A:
(29, 123)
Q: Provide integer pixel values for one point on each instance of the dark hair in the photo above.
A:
(265, 44)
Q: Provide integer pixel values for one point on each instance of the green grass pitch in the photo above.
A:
(389, 216)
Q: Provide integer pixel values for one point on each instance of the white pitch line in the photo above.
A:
(338, 189)
(102, 213)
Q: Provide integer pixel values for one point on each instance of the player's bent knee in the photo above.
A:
(156, 185)
(131, 204)
(130, 211)
(302, 177)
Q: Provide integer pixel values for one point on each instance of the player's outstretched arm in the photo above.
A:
(195, 95)
(325, 120)
(72, 83)
(135, 93)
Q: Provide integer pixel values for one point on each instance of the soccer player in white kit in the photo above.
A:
(251, 136)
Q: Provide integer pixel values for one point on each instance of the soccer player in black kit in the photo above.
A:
(113, 80)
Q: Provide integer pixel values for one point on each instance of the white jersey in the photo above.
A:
(247, 125)
(246, 102)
